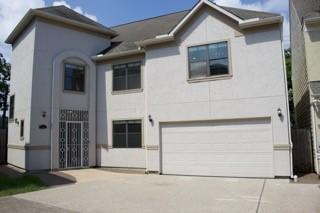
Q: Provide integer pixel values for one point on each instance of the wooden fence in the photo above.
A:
(3, 146)
(302, 151)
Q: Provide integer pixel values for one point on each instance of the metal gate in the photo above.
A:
(3, 146)
(73, 139)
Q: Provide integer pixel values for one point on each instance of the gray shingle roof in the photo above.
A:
(152, 27)
(64, 12)
(249, 14)
(142, 30)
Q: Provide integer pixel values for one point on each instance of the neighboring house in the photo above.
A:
(197, 92)
(305, 43)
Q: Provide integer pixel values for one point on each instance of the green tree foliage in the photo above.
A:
(289, 82)
(5, 74)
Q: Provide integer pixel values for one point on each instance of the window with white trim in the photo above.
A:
(127, 76)
(208, 60)
(74, 77)
(127, 134)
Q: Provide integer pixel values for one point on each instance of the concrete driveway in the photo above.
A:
(105, 191)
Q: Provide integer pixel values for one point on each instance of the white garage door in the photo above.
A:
(237, 148)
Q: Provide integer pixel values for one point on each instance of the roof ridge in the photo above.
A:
(154, 17)
(41, 8)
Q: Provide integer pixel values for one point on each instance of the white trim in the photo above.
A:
(196, 8)
(156, 40)
(260, 22)
(313, 20)
(117, 55)
(55, 100)
(32, 13)
(243, 24)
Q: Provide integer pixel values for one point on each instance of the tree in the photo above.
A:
(289, 82)
(5, 74)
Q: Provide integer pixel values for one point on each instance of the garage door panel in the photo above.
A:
(240, 148)
(235, 171)
(209, 147)
(217, 158)
(222, 137)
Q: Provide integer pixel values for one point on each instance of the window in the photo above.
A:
(208, 60)
(127, 134)
(21, 129)
(74, 78)
(11, 107)
(127, 76)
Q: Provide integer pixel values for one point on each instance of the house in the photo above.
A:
(196, 92)
(305, 42)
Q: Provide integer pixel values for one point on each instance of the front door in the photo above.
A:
(73, 139)
(73, 145)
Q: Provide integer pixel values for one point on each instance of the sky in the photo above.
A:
(115, 12)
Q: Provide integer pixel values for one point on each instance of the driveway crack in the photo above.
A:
(260, 198)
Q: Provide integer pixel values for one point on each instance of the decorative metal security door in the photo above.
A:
(73, 139)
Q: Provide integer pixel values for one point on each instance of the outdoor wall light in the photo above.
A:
(16, 121)
(44, 114)
(150, 119)
(279, 113)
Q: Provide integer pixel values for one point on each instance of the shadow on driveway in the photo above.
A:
(49, 178)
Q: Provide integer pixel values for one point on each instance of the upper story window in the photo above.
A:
(208, 60)
(11, 107)
(74, 77)
(127, 76)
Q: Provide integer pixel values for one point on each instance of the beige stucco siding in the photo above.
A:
(118, 106)
(256, 88)
(22, 61)
(43, 45)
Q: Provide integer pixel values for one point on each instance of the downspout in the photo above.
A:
(96, 118)
(287, 105)
(52, 111)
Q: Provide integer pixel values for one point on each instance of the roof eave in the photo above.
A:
(260, 22)
(36, 13)
(313, 20)
(20, 26)
(243, 24)
(99, 58)
(156, 40)
(196, 8)
(256, 22)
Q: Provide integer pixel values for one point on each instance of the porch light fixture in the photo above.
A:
(279, 113)
(150, 119)
(44, 114)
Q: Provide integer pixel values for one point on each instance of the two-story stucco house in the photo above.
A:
(196, 92)
(305, 41)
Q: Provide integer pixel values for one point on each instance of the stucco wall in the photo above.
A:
(118, 106)
(256, 89)
(21, 86)
(53, 40)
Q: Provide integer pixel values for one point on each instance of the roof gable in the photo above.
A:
(164, 28)
(60, 14)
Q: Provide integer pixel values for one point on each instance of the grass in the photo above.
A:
(21, 184)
